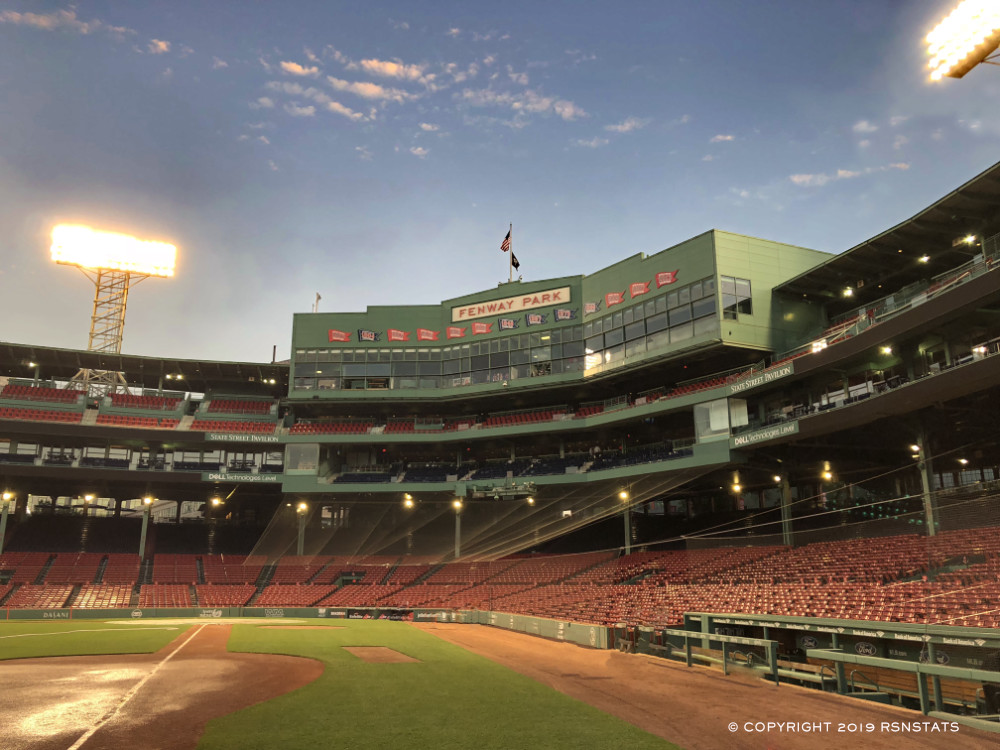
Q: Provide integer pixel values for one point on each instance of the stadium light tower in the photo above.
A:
(968, 36)
(114, 263)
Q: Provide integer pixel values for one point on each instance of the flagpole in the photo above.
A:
(510, 260)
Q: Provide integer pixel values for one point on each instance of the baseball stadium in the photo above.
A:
(657, 505)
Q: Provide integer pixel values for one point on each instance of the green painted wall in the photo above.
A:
(767, 264)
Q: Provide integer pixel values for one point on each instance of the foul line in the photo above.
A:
(66, 632)
(131, 693)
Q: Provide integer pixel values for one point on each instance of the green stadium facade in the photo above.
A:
(727, 390)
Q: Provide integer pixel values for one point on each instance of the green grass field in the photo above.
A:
(450, 699)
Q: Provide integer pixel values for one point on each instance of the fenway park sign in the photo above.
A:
(502, 307)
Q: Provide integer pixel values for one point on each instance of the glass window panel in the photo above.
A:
(541, 353)
(703, 307)
(557, 335)
(594, 343)
(615, 353)
(635, 348)
(519, 357)
(450, 367)
(650, 308)
(635, 330)
(573, 349)
(500, 359)
(672, 301)
(705, 325)
(681, 333)
(661, 303)
(355, 370)
(696, 291)
(588, 329)
(616, 321)
(480, 362)
(728, 284)
(680, 315)
(628, 316)
(504, 344)
(404, 368)
(657, 340)
(613, 338)
(684, 295)
(742, 288)
(708, 286)
(429, 368)
(378, 369)
(656, 322)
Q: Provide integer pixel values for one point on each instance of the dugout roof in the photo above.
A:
(199, 376)
(890, 260)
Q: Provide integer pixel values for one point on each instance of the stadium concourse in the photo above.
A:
(730, 426)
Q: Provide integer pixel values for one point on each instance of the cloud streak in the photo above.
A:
(294, 69)
(821, 179)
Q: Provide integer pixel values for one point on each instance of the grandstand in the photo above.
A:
(748, 428)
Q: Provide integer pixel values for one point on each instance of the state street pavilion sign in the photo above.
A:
(510, 304)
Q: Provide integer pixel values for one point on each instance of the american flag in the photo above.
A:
(505, 245)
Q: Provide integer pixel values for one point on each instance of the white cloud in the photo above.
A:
(521, 78)
(419, 151)
(243, 137)
(897, 120)
(363, 153)
(296, 110)
(453, 32)
(428, 127)
(264, 139)
(864, 144)
(330, 51)
(708, 157)
(393, 69)
(863, 126)
(368, 90)
(218, 63)
(628, 125)
(61, 20)
(818, 180)
(265, 64)
(567, 110)
(310, 55)
(293, 68)
(489, 60)
(722, 138)
(595, 142)
(263, 102)
(458, 75)
(899, 141)
(684, 119)
(340, 109)
(529, 102)
(399, 25)
(272, 165)
(158, 47)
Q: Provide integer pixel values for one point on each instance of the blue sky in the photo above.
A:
(376, 152)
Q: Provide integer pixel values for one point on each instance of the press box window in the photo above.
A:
(736, 297)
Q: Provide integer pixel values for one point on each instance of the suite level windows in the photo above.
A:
(736, 297)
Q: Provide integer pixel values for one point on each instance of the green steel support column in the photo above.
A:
(3, 521)
(926, 483)
(706, 628)
(725, 658)
(300, 548)
(935, 679)
(786, 512)
(627, 515)
(142, 536)
(458, 534)
(839, 669)
(925, 701)
(772, 659)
